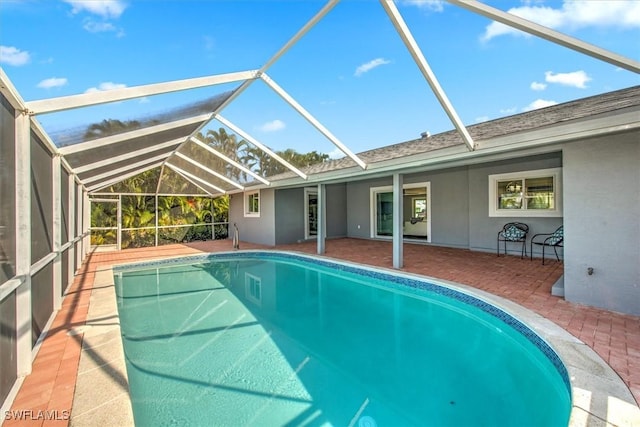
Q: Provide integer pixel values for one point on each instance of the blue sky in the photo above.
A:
(351, 71)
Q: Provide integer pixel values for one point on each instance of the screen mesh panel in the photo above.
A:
(173, 183)
(41, 300)
(145, 182)
(7, 191)
(106, 173)
(93, 155)
(41, 200)
(121, 117)
(7, 344)
(64, 195)
(200, 173)
(65, 271)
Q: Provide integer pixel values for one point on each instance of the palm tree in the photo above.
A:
(110, 127)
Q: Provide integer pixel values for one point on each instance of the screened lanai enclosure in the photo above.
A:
(133, 173)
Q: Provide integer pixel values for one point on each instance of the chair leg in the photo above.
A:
(556, 251)
(543, 254)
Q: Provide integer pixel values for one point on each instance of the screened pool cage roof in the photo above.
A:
(193, 149)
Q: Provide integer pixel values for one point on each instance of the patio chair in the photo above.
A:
(554, 240)
(514, 232)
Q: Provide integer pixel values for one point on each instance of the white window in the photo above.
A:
(252, 204)
(253, 288)
(526, 194)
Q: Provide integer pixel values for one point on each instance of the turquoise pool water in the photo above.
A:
(274, 339)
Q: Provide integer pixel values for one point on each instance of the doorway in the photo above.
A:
(310, 213)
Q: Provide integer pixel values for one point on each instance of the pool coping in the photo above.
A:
(598, 394)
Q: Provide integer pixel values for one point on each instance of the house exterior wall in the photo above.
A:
(602, 226)
(483, 229)
(459, 203)
(260, 230)
(359, 205)
(336, 210)
(289, 219)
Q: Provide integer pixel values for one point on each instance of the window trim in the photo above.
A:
(247, 205)
(556, 173)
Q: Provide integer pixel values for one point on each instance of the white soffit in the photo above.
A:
(548, 34)
(413, 48)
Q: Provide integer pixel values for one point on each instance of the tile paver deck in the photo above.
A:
(614, 336)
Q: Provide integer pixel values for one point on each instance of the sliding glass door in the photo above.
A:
(416, 206)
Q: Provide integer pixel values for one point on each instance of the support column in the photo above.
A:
(86, 221)
(397, 221)
(23, 243)
(72, 228)
(156, 216)
(322, 218)
(78, 210)
(56, 177)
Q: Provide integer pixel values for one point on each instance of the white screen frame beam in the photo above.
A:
(413, 48)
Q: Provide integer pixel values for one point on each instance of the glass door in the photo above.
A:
(416, 212)
(311, 213)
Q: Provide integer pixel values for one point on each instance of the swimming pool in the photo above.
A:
(264, 338)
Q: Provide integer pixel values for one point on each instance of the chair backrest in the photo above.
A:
(556, 237)
(515, 230)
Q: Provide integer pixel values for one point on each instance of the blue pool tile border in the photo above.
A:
(366, 271)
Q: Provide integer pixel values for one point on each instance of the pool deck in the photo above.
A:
(79, 368)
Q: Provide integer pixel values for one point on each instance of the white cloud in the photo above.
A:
(104, 8)
(509, 110)
(538, 86)
(13, 56)
(432, 5)
(368, 66)
(336, 153)
(576, 79)
(572, 15)
(98, 27)
(105, 86)
(273, 126)
(482, 119)
(539, 103)
(52, 82)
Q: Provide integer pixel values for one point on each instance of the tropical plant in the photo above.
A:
(110, 127)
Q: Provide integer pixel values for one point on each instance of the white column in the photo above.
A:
(23, 243)
(156, 216)
(56, 177)
(322, 218)
(397, 221)
(78, 210)
(72, 227)
(86, 221)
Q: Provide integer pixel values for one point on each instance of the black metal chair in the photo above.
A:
(554, 240)
(514, 232)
